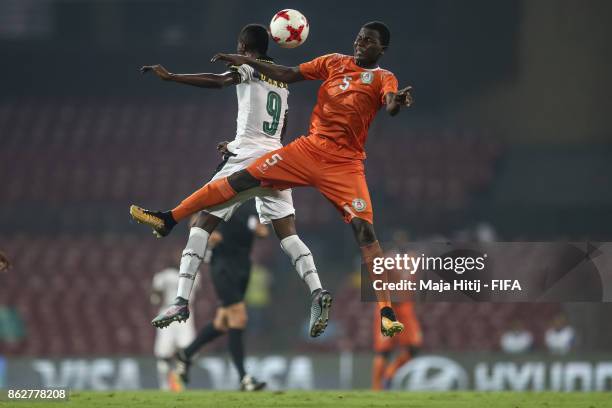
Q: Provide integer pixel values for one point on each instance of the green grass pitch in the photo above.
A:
(319, 399)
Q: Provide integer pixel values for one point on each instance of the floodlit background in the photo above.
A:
(509, 139)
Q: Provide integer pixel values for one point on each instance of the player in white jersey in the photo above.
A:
(177, 337)
(262, 108)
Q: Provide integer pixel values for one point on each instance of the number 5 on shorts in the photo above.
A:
(272, 160)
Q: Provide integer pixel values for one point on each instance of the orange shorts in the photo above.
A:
(410, 336)
(301, 163)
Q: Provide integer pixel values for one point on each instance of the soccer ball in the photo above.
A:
(289, 28)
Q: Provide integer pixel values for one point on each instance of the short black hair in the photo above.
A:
(383, 31)
(255, 38)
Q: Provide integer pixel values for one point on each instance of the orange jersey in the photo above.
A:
(347, 102)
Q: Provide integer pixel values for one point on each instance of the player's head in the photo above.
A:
(253, 38)
(371, 42)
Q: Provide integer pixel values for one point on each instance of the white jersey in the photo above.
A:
(262, 105)
(166, 282)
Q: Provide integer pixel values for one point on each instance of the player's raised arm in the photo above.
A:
(395, 100)
(203, 80)
(277, 72)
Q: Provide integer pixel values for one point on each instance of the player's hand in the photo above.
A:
(5, 264)
(224, 151)
(158, 70)
(403, 96)
(230, 59)
(222, 148)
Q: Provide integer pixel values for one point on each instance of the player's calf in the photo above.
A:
(236, 315)
(214, 193)
(370, 250)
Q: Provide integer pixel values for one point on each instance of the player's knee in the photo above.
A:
(237, 317)
(220, 321)
(220, 325)
(241, 322)
(206, 221)
(284, 227)
(364, 231)
(242, 180)
(238, 322)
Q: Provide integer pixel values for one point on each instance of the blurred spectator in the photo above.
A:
(5, 264)
(560, 336)
(258, 298)
(481, 232)
(11, 325)
(174, 337)
(517, 340)
(484, 232)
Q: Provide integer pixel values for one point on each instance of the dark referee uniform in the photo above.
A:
(230, 264)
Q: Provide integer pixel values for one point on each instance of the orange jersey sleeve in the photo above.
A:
(318, 68)
(389, 84)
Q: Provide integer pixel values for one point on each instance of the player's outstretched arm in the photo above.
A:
(278, 72)
(203, 80)
(394, 101)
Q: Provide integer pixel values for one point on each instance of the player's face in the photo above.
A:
(240, 49)
(367, 47)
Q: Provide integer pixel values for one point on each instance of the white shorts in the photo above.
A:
(271, 204)
(173, 337)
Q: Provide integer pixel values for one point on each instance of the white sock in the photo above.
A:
(162, 374)
(193, 255)
(302, 261)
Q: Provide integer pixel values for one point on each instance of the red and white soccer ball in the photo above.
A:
(289, 28)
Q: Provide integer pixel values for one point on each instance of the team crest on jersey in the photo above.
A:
(367, 77)
(359, 204)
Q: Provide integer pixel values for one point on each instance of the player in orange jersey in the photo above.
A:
(330, 158)
(407, 343)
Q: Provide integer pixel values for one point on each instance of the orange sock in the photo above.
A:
(378, 368)
(368, 253)
(213, 193)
